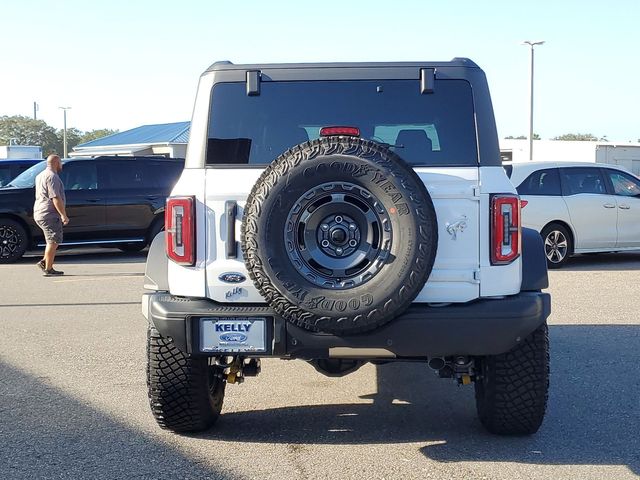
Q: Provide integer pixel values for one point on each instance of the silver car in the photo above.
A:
(578, 207)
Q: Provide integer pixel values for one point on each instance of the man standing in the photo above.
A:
(49, 212)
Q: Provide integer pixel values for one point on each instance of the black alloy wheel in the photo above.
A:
(13, 240)
(338, 234)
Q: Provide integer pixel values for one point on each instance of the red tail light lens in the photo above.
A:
(505, 229)
(345, 131)
(179, 221)
(523, 203)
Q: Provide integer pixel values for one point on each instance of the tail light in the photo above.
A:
(505, 228)
(523, 203)
(179, 221)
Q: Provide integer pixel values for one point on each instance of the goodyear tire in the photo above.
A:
(185, 392)
(339, 235)
(512, 388)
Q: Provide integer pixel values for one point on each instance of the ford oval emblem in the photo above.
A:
(232, 277)
(233, 337)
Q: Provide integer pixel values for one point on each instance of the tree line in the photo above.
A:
(28, 131)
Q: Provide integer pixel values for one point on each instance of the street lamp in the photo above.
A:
(531, 44)
(64, 132)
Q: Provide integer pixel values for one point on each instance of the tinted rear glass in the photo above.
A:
(142, 174)
(6, 174)
(27, 179)
(542, 182)
(424, 129)
(583, 180)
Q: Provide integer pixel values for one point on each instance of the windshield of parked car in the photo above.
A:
(424, 129)
(27, 179)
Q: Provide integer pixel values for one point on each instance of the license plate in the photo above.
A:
(233, 335)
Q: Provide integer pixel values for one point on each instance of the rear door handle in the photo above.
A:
(624, 207)
(230, 210)
(609, 205)
(94, 200)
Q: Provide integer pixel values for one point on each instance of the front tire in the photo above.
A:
(185, 392)
(13, 240)
(512, 388)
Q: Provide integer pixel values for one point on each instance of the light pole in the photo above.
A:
(64, 132)
(531, 44)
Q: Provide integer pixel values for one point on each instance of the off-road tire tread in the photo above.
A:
(513, 399)
(178, 387)
(426, 238)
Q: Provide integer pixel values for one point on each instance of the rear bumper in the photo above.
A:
(483, 327)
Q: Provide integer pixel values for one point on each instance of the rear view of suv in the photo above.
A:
(340, 214)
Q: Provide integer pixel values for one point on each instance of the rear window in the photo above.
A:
(583, 180)
(424, 129)
(142, 174)
(6, 174)
(543, 182)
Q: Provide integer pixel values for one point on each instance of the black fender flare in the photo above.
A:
(534, 262)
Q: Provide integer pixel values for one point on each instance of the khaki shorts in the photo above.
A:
(52, 228)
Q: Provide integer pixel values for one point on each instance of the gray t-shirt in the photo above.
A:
(48, 187)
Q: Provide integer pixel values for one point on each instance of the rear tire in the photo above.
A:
(557, 245)
(132, 247)
(512, 388)
(13, 240)
(185, 392)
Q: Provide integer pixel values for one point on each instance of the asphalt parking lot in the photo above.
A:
(73, 397)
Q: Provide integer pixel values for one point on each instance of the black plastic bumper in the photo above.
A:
(483, 327)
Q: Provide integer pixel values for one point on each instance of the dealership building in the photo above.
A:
(168, 139)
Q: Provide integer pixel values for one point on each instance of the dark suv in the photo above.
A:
(116, 201)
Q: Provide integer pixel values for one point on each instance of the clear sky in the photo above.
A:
(121, 64)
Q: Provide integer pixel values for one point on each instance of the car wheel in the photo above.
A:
(512, 388)
(156, 227)
(13, 240)
(557, 245)
(185, 392)
(339, 235)
(132, 247)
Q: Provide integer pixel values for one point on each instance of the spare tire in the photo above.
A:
(339, 235)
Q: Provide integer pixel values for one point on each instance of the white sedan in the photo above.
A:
(578, 207)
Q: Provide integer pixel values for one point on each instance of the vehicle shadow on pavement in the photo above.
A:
(593, 414)
(41, 440)
(94, 256)
(603, 261)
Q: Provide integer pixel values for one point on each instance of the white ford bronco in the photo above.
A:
(343, 214)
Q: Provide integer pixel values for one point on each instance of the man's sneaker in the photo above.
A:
(41, 265)
(52, 273)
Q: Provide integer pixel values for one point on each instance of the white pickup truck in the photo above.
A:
(340, 214)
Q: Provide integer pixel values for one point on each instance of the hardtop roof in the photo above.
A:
(227, 65)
